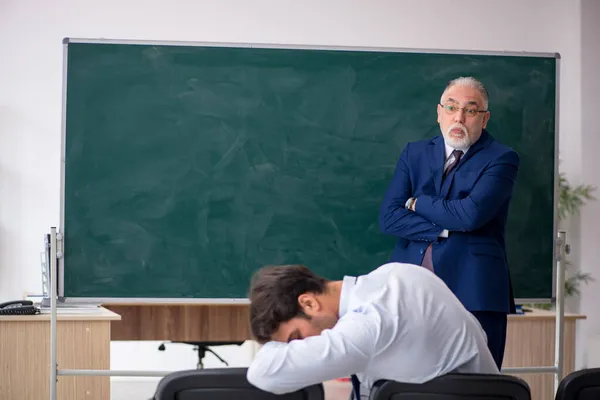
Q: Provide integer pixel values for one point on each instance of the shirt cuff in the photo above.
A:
(444, 233)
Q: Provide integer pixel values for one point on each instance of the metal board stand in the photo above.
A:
(55, 371)
(562, 249)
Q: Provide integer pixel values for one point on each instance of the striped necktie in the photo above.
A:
(427, 261)
(457, 156)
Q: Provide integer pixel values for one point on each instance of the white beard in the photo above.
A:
(462, 142)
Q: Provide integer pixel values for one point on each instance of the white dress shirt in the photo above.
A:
(399, 322)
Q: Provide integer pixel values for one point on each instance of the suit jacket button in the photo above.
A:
(422, 251)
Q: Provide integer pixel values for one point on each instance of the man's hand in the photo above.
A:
(410, 204)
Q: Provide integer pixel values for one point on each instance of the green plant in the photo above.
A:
(570, 201)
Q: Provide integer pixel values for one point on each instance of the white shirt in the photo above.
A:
(399, 322)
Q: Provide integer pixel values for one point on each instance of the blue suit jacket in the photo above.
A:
(472, 203)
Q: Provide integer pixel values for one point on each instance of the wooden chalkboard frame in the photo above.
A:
(67, 41)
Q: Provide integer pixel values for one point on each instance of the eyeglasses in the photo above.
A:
(469, 111)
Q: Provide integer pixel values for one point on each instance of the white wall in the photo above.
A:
(30, 87)
(589, 335)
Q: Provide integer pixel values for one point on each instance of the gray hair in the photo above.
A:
(471, 82)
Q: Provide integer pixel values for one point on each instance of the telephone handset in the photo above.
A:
(18, 307)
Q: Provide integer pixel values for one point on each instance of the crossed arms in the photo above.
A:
(432, 214)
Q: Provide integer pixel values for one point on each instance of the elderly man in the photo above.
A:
(448, 202)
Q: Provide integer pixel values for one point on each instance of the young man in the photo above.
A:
(448, 202)
(399, 322)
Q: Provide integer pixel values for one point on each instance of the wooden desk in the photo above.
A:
(530, 343)
(180, 322)
(83, 342)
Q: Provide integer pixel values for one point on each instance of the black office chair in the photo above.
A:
(580, 385)
(455, 387)
(223, 384)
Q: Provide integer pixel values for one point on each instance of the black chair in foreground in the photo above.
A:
(223, 384)
(580, 385)
(455, 387)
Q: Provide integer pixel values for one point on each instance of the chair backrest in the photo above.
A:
(455, 387)
(223, 384)
(580, 385)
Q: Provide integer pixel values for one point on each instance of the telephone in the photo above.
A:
(18, 307)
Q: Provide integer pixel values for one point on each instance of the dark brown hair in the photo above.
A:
(274, 292)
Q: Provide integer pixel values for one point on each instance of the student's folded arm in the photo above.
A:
(394, 219)
(490, 192)
(338, 352)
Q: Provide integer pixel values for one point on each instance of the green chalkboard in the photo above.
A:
(188, 167)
